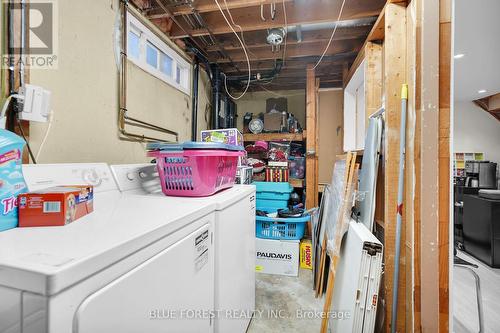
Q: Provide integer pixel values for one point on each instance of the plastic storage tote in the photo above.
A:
(195, 169)
(272, 196)
(281, 228)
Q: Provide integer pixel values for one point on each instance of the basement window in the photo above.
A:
(152, 54)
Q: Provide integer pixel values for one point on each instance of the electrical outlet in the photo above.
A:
(35, 103)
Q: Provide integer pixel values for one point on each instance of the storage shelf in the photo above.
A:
(274, 136)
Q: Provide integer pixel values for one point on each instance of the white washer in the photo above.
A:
(130, 266)
(234, 242)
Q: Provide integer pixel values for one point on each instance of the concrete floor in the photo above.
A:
(465, 312)
(282, 302)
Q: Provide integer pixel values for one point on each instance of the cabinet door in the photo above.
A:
(171, 292)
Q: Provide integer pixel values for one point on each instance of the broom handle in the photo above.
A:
(402, 144)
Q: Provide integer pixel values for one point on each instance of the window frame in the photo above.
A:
(146, 35)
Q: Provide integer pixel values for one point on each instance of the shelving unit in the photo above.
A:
(461, 158)
(274, 137)
(248, 137)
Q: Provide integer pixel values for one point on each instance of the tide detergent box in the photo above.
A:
(306, 254)
(55, 206)
(11, 178)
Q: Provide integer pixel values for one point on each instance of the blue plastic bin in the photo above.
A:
(281, 228)
(273, 190)
(272, 196)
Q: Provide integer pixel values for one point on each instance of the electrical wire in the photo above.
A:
(42, 144)
(286, 32)
(25, 140)
(239, 27)
(246, 55)
(333, 34)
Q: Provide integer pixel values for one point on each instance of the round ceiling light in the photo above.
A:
(275, 36)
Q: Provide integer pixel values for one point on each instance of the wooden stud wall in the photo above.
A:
(312, 140)
(445, 35)
(394, 77)
(417, 51)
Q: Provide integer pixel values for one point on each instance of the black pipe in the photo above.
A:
(194, 96)
(216, 95)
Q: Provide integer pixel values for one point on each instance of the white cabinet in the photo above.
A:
(354, 111)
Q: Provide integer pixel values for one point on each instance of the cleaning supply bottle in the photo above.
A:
(11, 178)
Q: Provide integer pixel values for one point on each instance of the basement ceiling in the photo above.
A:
(477, 27)
(309, 24)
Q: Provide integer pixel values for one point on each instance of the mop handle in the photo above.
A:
(399, 216)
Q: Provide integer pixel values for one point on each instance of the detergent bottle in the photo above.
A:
(11, 178)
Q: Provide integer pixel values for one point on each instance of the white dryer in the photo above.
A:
(234, 242)
(135, 264)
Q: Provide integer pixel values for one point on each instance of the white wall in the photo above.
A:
(85, 93)
(476, 131)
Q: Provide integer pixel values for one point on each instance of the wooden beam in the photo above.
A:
(429, 187)
(295, 51)
(293, 63)
(376, 34)
(411, 198)
(206, 6)
(311, 142)
(373, 79)
(298, 13)
(257, 39)
(395, 76)
(445, 33)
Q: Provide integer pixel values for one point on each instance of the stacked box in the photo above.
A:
(276, 174)
(272, 196)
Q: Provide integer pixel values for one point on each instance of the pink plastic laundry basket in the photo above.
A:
(197, 172)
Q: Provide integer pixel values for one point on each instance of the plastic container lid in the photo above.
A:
(191, 145)
(8, 138)
(278, 187)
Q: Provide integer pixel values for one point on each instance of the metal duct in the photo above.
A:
(363, 22)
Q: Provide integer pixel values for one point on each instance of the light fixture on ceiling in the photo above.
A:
(459, 56)
(275, 36)
(482, 91)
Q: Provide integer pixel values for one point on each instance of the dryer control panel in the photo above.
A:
(137, 178)
(40, 176)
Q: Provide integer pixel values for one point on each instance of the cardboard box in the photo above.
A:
(277, 174)
(277, 256)
(272, 122)
(230, 136)
(306, 254)
(55, 206)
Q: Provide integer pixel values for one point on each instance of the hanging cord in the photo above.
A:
(237, 26)
(25, 140)
(246, 55)
(273, 10)
(286, 32)
(47, 131)
(333, 34)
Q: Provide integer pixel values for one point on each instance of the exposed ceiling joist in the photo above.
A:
(298, 13)
(207, 6)
(490, 104)
(336, 61)
(295, 51)
(257, 39)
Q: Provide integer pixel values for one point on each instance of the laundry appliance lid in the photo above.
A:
(46, 260)
(144, 179)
